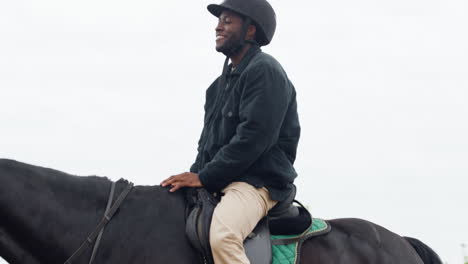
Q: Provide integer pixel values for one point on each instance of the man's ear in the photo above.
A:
(251, 31)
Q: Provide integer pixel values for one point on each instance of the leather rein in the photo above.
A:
(96, 234)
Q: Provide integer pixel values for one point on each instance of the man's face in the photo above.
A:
(228, 31)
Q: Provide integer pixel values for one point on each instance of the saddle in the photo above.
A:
(284, 218)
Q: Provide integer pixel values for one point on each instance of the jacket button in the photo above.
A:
(229, 114)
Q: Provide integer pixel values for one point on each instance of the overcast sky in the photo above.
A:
(116, 88)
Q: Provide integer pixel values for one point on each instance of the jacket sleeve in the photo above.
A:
(263, 105)
(195, 166)
(209, 94)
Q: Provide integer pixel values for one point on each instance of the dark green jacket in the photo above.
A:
(251, 128)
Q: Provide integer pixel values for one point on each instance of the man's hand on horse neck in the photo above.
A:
(186, 179)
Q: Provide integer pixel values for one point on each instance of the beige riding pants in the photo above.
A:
(234, 218)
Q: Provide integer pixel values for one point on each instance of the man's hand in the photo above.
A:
(186, 179)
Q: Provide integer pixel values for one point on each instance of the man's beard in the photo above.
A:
(231, 46)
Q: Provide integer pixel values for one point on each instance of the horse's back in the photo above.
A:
(357, 241)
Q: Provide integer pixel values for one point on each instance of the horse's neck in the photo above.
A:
(14, 252)
(46, 211)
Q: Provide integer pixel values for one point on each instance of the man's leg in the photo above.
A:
(234, 218)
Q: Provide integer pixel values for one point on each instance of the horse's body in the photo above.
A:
(46, 214)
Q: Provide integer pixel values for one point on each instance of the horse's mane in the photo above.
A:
(10, 164)
(64, 178)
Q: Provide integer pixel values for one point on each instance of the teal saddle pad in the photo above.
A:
(289, 254)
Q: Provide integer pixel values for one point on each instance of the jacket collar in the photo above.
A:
(245, 61)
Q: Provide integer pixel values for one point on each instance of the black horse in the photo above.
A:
(46, 214)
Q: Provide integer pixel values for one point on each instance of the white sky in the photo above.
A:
(116, 88)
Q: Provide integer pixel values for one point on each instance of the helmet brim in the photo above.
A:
(216, 10)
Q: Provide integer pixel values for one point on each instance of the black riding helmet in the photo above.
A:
(259, 11)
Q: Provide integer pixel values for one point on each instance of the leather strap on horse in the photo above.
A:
(98, 239)
(100, 227)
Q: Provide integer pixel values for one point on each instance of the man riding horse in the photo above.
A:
(251, 129)
(246, 153)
